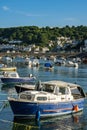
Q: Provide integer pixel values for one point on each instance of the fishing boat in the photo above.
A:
(13, 77)
(52, 98)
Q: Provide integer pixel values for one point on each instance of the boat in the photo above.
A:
(52, 98)
(71, 64)
(5, 68)
(35, 63)
(48, 66)
(6, 59)
(13, 77)
(24, 87)
(1, 65)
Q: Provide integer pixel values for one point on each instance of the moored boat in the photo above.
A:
(48, 66)
(13, 77)
(24, 87)
(71, 64)
(54, 98)
(8, 68)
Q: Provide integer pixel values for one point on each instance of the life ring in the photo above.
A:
(76, 108)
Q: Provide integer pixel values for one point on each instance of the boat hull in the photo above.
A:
(8, 69)
(29, 109)
(17, 80)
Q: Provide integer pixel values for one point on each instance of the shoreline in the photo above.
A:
(48, 54)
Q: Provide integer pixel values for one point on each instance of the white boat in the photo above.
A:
(71, 64)
(6, 59)
(35, 62)
(52, 98)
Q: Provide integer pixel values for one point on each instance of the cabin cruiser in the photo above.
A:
(51, 98)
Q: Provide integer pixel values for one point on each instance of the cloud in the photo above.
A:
(5, 8)
(70, 19)
(27, 14)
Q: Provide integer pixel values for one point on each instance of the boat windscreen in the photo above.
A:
(48, 88)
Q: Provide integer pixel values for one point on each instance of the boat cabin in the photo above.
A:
(62, 88)
(40, 96)
(11, 74)
(54, 98)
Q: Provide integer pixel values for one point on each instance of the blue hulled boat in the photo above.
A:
(13, 77)
(54, 98)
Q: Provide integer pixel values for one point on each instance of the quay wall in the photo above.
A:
(37, 54)
(50, 55)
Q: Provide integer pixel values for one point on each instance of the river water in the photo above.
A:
(69, 122)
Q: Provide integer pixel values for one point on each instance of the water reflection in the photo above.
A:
(59, 123)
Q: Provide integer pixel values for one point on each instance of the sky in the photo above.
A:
(42, 13)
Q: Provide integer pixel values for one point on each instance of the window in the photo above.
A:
(42, 98)
(13, 75)
(48, 88)
(27, 97)
(62, 90)
(23, 96)
(75, 91)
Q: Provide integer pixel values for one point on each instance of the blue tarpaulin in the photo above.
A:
(48, 65)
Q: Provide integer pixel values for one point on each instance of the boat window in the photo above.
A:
(23, 96)
(42, 98)
(13, 75)
(77, 94)
(48, 88)
(27, 97)
(75, 91)
(62, 90)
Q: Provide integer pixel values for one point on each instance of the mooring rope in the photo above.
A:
(4, 105)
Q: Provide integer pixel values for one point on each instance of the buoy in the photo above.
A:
(75, 108)
(37, 115)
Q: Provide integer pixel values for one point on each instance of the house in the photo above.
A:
(29, 48)
(40, 49)
(15, 41)
(85, 45)
(45, 49)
